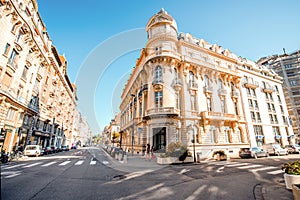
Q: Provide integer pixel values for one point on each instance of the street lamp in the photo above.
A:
(132, 135)
(194, 141)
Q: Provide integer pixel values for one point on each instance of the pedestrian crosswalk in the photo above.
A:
(251, 167)
(9, 171)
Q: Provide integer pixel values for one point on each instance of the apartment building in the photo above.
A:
(288, 66)
(37, 99)
(184, 89)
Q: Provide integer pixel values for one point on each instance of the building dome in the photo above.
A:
(162, 18)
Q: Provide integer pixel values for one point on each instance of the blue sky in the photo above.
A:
(251, 29)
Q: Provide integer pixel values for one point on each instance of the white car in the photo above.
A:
(33, 150)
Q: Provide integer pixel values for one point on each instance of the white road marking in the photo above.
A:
(250, 166)
(93, 162)
(262, 169)
(184, 171)
(276, 172)
(196, 194)
(143, 192)
(79, 162)
(224, 163)
(34, 164)
(220, 169)
(238, 164)
(65, 163)
(48, 164)
(14, 166)
(13, 175)
(105, 162)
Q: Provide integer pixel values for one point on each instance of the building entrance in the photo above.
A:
(159, 139)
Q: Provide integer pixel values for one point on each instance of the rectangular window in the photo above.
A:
(25, 71)
(209, 104)
(223, 110)
(12, 59)
(250, 103)
(236, 108)
(193, 102)
(258, 117)
(158, 99)
(271, 119)
(279, 99)
(7, 48)
(11, 114)
(253, 116)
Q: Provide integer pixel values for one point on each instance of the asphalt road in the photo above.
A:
(89, 174)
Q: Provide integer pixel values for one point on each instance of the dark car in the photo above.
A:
(54, 149)
(253, 152)
(47, 150)
(65, 148)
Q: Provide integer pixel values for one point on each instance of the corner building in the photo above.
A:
(184, 89)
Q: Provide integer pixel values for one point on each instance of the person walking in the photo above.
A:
(148, 156)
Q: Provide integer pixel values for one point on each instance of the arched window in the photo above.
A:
(158, 74)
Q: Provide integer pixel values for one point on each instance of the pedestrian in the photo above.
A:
(148, 156)
(152, 153)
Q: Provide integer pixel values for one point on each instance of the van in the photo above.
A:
(33, 150)
(275, 149)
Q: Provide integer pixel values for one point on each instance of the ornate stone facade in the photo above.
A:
(185, 89)
(37, 99)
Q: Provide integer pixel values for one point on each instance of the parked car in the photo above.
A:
(293, 148)
(47, 150)
(253, 152)
(33, 150)
(65, 148)
(275, 149)
(73, 147)
(54, 149)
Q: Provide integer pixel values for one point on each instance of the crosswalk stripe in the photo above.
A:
(262, 169)
(249, 166)
(48, 164)
(34, 164)
(13, 175)
(224, 163)
(93, 162)
(14, 166)
(238, 164)
(276, 172)
(79, 162)
(65, 163)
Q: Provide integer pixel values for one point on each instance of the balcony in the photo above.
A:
(217, 116)
(177, 84)
(235, 94)
(207, 90)
(251, 84)
(12, 64)
(268, 89)
(193, 86)
(222, 92)
(163, 111)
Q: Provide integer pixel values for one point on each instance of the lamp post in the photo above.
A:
(132, 135)
(194, 141)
